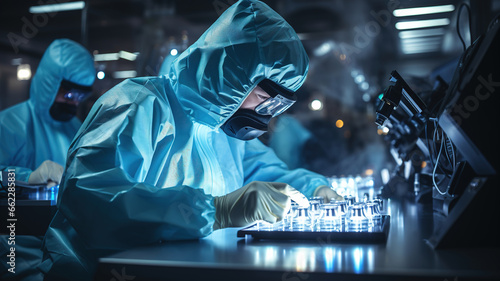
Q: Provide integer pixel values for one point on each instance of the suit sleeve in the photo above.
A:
(108, 195)
(10, 146)
(262, 164)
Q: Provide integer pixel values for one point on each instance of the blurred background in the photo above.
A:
(353, 46)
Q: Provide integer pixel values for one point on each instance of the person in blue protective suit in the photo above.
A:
(176, 157)
(36, 133)
(35, 136)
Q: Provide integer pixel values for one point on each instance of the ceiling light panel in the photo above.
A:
(404, 25)
(423, 10)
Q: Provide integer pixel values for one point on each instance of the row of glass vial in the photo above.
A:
(348, 186)
(346, 215)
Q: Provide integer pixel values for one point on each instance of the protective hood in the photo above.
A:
(248, 43)
(63, 59)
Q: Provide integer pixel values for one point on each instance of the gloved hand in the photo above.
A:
(327, 193)
(49, 173)
(268, 201)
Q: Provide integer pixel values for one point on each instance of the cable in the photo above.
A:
(431, 152)
(443, 169)
(448, 152)
(458, 22)
(435, 167)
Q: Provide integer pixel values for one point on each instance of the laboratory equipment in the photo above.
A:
(356, 220)
(292, 213)
(315, 210)
(468, 118)
(354, 188)
(372, 212)
(302, 220)
(343, 205)
(454, 135)
(332, 216)
(350, 199)
(336, 221)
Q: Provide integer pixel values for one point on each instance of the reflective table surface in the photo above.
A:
(34, 196)
(34, 209)
(223, 256)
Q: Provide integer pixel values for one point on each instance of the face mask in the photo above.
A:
(246, 124)
(63, 112)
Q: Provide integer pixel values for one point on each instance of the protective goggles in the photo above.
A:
(75, 92)
(75, 96)
(281, 99)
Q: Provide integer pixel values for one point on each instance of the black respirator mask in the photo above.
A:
(64, 111)
(247, 124)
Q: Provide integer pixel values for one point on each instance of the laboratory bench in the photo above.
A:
(405, 255)
(34, 208)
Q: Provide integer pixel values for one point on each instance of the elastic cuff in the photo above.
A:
(217, 220)
(317, 189)
(21, 177)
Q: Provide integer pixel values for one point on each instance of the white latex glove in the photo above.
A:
(48, 173)
(268, 201)
(327, 193)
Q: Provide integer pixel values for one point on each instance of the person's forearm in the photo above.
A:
(137, 215)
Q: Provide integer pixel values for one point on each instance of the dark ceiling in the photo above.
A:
(343, 38)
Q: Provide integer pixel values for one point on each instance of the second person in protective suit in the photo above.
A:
(35, 135)
(175, 157)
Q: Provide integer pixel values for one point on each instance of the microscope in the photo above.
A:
(446, 147)
(408, 122)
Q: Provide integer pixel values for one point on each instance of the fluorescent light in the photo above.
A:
(124, 74)
(424, 40)
(420, 48)
(408, 43)
(421, 33)
(106, 57)
(23, 72)
(421, 45)
(421, 23)
(57, 7)
(115, 56)
(127, 55)
(419, 51)
(423, 10)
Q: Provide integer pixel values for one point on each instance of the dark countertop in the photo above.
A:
(223, 256)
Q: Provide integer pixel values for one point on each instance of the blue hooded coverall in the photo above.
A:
(29, 135)
(150, 157)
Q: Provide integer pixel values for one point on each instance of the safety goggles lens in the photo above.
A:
(75, 92)
(274, 106)
(75, 95)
